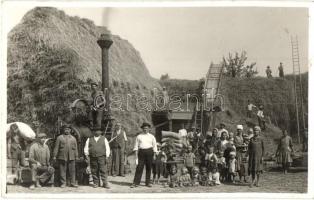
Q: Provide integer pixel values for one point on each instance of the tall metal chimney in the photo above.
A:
(105, 42)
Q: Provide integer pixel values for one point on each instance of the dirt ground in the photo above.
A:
(272, 181)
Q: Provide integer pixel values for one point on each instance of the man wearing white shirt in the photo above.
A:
(97, 151)
(145, 148)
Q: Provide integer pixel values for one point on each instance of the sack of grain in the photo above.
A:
(25, 130)
(169, 134)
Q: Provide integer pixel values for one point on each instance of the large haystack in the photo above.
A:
(53, 57)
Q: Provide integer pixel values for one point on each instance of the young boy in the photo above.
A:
(189, 159)
(158, 164)
(222, 166)
(233, 166)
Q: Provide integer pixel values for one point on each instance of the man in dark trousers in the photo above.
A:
(97, 151)
(39, 162)
(118, 142)
(145, 148)
(95, 115)
(66, 152)
(280, 69)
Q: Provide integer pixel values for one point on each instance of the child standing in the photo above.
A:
(158, 164)
(233, 166)
(211, 163)
(189, 159)
(222, 166)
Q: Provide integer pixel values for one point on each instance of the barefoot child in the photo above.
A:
(222, 166)
(189, 159)
(233, 166)
(158, 164)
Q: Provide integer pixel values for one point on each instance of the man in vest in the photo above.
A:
(118, 142)
(66, 153)
(97, 151)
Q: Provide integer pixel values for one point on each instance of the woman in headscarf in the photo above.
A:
(284, 151)
(256, 153)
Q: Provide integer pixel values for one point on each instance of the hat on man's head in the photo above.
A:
(222, 124)
(145, 124)
(41, 135)
(97, 128)
(240, 127)
(66, 126)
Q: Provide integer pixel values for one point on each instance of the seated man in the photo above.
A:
(39, 156)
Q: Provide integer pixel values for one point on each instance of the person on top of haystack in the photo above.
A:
(39, 161)
(261, 117)
(268, 72)
(165, 95)
(256, 154)
(284, 151)
(97, 151)
(145, 148)
(249, 110)
(280, 69)
(66, 153)
(95, 114)
(221, 129)
(118, 148)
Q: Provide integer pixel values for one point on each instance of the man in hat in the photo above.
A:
(39, 157)
(280, 69)
(118, 142)
(145, 148)
(66, 153)
(95, 115)
(268, 72)
(97, 151)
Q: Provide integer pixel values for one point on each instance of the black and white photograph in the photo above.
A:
(155, 99)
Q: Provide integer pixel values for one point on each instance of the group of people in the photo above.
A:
(280, 69)
(224, 155)
(65, 155)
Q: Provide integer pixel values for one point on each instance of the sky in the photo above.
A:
(183, 41)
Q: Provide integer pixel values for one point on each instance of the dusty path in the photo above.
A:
(271, 182)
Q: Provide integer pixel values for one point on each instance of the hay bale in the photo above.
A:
(52, 59)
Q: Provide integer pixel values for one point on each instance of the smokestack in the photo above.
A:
(105, 42)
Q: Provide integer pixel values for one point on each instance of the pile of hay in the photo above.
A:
(52, 58)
